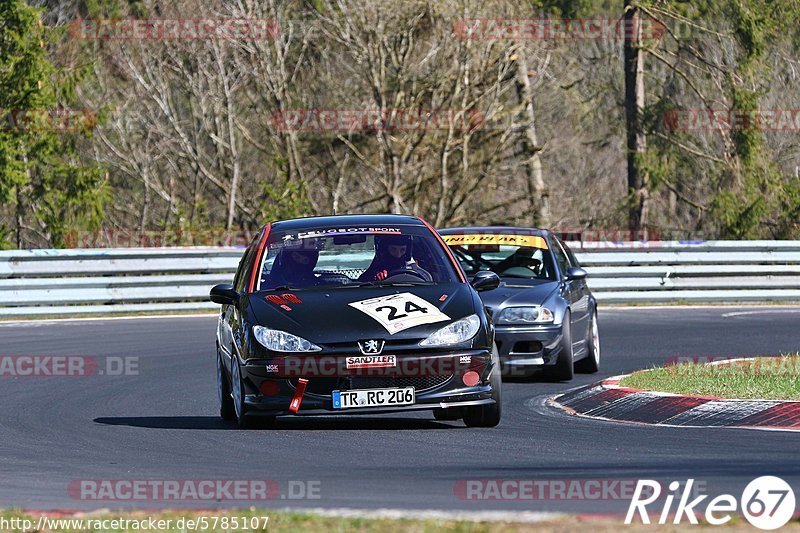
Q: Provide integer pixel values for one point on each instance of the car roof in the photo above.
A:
(346, 220)
(495, 230)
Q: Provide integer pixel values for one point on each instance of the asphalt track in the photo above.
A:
(161, 424)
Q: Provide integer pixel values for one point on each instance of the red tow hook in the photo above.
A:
(297, 399)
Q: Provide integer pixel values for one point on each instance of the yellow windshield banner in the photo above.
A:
(532, 241)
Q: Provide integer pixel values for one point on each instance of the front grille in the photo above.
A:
(527, 347)
(325, 386)
(420, 384)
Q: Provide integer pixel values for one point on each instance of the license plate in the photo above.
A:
(372, 398)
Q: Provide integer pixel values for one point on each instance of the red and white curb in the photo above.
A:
(606, 400)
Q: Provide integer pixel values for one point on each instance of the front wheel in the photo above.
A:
(226, 409)
(563, 369)
(591, 363)
(488, 416)
(238, 394)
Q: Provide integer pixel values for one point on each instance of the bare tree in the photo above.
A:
(634, 107)
(538, 193)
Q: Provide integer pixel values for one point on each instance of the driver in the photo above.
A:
(392, 253)
(523, 257)
(294, 268)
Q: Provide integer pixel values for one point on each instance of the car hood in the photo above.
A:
(325, 316)
(512, 292)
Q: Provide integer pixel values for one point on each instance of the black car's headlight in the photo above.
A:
(457, 332)
(280, 341)
(534, 314)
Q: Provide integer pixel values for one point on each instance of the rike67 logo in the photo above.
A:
(767, 502)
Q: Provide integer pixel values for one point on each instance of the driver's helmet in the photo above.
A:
(524, 257)
(296, 261)
(297, 264)
(394, 248)
(525, 252)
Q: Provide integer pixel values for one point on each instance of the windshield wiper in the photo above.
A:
(389, 283)
(283, 288)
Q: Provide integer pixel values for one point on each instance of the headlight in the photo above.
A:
(455, 333)
(525, 315)
(280, 341)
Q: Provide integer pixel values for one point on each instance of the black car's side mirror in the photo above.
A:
(575, 273)
(485, 280)
(224, 293)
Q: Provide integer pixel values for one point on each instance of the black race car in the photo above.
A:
(544, 314)
(351, 315)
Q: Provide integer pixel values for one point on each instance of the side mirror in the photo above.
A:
(485, 280)
(224, 293)
(575, 273)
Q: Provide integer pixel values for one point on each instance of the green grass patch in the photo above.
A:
(232, 521)
(766, 378)
(290, 522)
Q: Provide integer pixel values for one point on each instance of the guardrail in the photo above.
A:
(695, 272)
(100, 281)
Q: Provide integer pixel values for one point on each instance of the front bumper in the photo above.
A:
(523, 349)
(438, 380)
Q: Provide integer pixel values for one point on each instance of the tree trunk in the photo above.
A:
(20, 208)
(538, 196)
(18, 218)
(143, 217)
(634, 104)
(233, 146)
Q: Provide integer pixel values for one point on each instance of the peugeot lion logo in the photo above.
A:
(371, 347)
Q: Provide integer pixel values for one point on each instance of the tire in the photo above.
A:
(488, 416)
(564, 369)
(226, 409)
(237, 393)
(591, 363)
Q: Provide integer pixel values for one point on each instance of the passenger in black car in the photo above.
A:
(294, 268)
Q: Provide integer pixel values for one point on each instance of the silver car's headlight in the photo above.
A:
(280, 341)
(454, 333)
(525, 315)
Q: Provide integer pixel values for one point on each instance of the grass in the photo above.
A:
(281, 521)
(766, 378)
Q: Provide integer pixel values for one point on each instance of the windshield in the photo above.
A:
(512, 256)
(346, 256)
